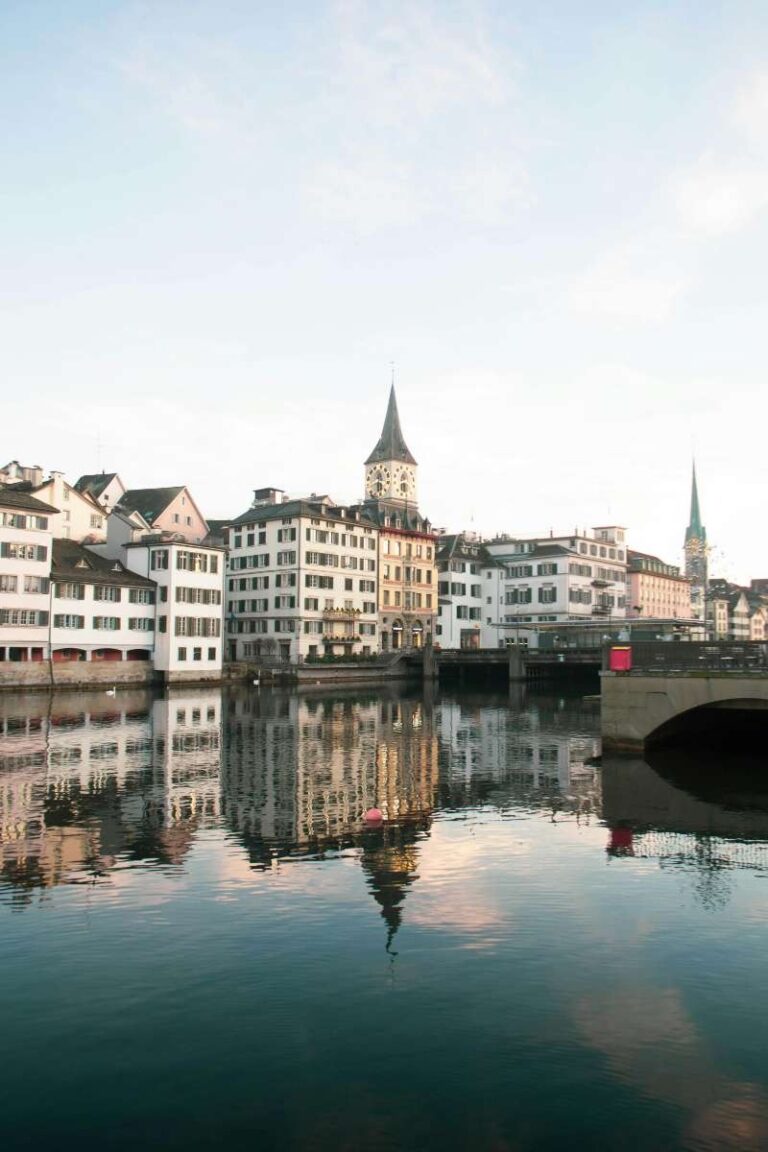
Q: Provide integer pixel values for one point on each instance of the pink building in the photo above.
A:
(656, 590)
(167, 510)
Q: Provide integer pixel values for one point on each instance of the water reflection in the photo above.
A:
(89, 782)
(564, 943)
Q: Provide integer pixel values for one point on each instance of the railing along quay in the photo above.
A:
(687, 658)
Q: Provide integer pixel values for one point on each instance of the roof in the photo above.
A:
(94, 483)
(77, 562)
(392, 516)
(304, 508)
(13, 497)
(452, 545)
(150, 502)
(391, 444)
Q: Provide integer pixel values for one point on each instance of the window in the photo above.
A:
(9, 583)
(36, 584)
(311, 604)
(194, 561)
(68, 621)
(10, 550)
(142, 624)
(547, 569)
(107, 592)
(286, 535)
(181, 653)
(69, 591)
(141, 596)
(197, 626)
(547, 595)
(95, 521)
(162, 623)
(22, 617)
(106, 623)
(284, 558)
(159, 559)
(197, 653)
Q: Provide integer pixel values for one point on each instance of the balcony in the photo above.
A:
(341, 613)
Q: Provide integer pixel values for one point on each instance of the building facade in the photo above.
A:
(462, 560)
(656, 590)
(26, 540)
(301, 580)
(167, 510)
(547, 580)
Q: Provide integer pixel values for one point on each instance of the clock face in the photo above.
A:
(379, 479)
(405, 485)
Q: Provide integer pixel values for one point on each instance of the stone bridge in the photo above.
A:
(680, 689)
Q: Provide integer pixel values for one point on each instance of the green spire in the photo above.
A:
(391, 445)
(695, 529)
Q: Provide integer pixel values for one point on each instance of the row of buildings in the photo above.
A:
(96, 571)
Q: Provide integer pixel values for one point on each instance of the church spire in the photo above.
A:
(391, 445)
(695, 529)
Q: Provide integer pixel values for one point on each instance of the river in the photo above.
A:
(203, 944)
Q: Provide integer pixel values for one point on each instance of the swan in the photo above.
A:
(111, 691)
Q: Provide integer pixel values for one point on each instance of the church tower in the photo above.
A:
(390, 470)
(696, 550)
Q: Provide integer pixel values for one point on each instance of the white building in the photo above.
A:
(25, 565)
(100, 611)
(190, 594)
(545, 580)
(461, 562)
(302, 579)
(78, 516)
(106, 488)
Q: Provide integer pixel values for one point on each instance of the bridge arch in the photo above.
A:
(729, 722)
(641, 711)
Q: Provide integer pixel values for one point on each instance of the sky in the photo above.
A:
(222, 222)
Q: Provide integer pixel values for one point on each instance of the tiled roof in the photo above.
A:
(150, 502)
(94, 483)
(76, 562)
(21, 498)
(303, 508)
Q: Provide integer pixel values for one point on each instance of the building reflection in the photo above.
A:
(300, 772)
(544, 751)
(89, 779)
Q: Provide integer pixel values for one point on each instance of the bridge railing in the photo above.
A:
(749, 656)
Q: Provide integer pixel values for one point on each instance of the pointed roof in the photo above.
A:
(391, 445)
(149, 502)
(94, 483)
(695, 529)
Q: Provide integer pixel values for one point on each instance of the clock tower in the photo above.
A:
(390, 470)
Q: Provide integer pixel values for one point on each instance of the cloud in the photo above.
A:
(406, 65)
(628, 284)
(749, 113)
(715, 197)
(366, 197)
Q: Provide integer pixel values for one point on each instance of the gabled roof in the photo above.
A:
(20, 498)
(150, 502)
(455, 544)
(305, 508)
(94, 483)
(76, 562)
(391, 444)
